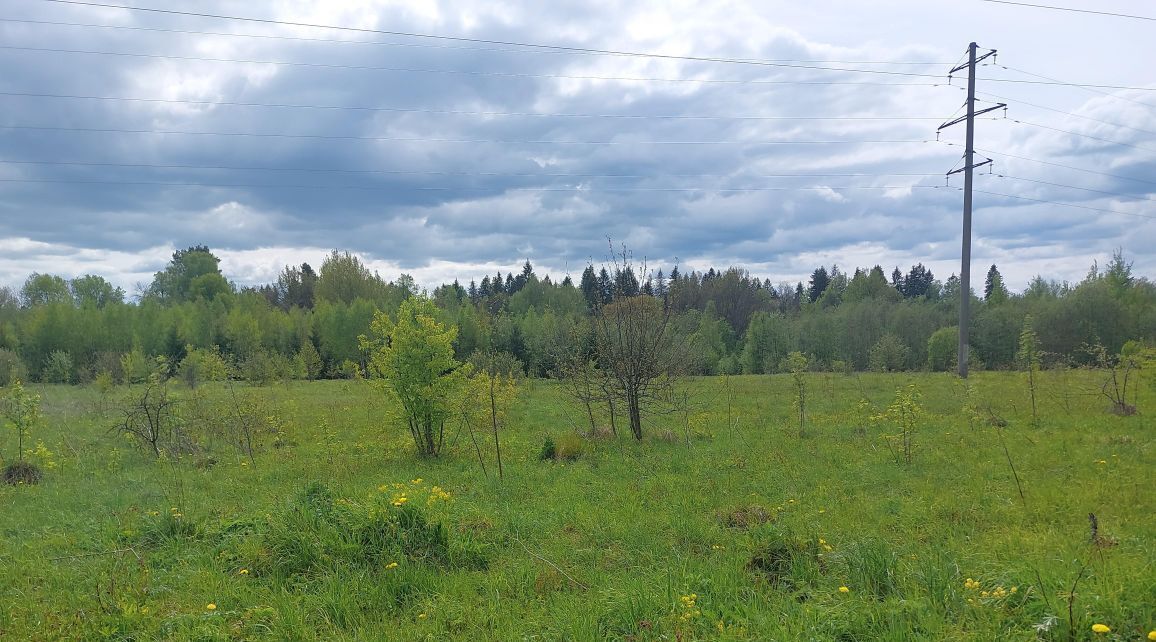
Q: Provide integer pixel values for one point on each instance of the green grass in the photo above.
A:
(761, 526)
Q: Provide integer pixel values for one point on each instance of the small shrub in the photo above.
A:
(568, 447)
(549, 449)
(22, 472)
(58, 368)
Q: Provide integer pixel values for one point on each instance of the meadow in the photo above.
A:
(724, 523)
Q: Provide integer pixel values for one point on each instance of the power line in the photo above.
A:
(320, 65)
(446, 173)
(1088, 88)
(1082, 207)
(1061, 165)
(1070, 9)
(1088, 136)
(394, 188)
(1068, 113)
(926, 63)
(215, 103)
(409, 34)
(417, 139)
(1082, 189)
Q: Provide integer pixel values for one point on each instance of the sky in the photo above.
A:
(809, 138)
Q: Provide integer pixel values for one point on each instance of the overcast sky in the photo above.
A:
(447, 158)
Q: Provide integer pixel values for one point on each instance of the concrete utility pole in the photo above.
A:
(968, 166)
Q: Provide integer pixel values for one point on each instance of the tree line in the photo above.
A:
(306, 324)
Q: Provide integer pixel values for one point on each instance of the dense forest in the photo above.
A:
(191, 319)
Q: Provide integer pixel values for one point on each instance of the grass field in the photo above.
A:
(723, 524)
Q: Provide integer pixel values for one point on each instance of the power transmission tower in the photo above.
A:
(968, 166)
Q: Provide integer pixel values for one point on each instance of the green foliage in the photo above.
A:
(136, 366)
(549, 449)
(192, 274)
(414, 358)
(903, 414)
(943, 349)
(92, 291)
(202, 364)
(44, 289)
(21, 410)
(568, 446)
(311, 363)
(11, 367)
(796, 363)
(58, 368)
(888, 354)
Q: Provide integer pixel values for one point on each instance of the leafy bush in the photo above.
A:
(568, 447)
(549, 449)
(202, 364)
(58, 368)
(135, 366)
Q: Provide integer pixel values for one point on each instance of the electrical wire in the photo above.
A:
(1083, 189)
(1088, 88)
(391, 172)
(394, 188)
(409, 34)
(1073, 205)
(320, 65)
(926, 63)
(1070, 9)
(1055, 164)
(1066, 113)
(1088, 136)
(455, 112)
(416, 139)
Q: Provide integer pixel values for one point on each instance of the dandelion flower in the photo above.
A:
(1101, 628)
(243, 571)
(844, 589)
(1152, 635)
(416, 481)
(421, 616)
(391, 565)
(210, 607)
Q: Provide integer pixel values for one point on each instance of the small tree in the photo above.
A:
(888, 354)
(22, 410)
(494, 391)
(149, 416)
(58, 368)
(414, 358)
(1028, 357)
(796, 364)
(903, 413)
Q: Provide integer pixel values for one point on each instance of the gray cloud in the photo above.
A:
(409, 196)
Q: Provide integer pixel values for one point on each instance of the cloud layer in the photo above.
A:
(447, 158)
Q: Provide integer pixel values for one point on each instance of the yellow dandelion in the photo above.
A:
(421, 616)
(210, 607)
(416, 481)
(391, 565)
(1101, 628)
(844, 589)
(243, 571)
(1152, 635)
